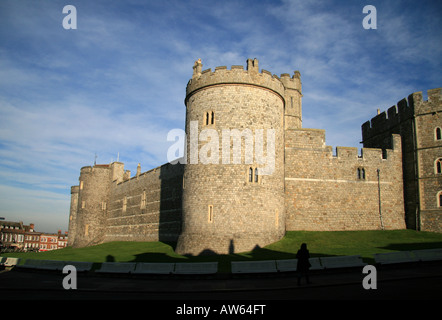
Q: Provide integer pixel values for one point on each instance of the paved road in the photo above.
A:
(404, 282)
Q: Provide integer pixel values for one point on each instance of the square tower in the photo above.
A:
(419, 123)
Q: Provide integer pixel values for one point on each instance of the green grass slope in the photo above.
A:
(333, 243)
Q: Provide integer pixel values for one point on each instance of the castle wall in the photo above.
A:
(429, 150)
(215, 201)
(146, 207)
(376, 134)
(109, 205)
(415, 120)
(325, 193)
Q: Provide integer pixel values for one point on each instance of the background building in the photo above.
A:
(15, 236)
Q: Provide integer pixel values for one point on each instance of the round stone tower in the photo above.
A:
(73, 215)
(233, 187)
(92, 197)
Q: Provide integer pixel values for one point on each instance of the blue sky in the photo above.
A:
(116, 84)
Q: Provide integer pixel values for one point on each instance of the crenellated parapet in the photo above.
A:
(237, 75)
(293, 82)
(403, 111)
(313, 140)
(75, 189)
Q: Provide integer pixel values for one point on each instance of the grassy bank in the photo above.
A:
(333, 243)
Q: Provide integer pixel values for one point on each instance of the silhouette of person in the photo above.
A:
(303, 265)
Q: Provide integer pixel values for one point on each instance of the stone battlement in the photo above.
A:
(237, 75)
(404, 110)
(314, 139)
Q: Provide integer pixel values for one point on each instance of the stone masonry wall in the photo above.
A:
(109, 205)
(416, 121)
(325, 193)
(146, 207)
(429, 151)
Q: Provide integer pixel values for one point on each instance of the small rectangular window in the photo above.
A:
(124, 204)
(438, 133)
(252, 175)
(209, 118)
(143, 200)
(438, 167)
(361, 173)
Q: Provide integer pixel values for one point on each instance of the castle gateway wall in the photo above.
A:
(326, 192)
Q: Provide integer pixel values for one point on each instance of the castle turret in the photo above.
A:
(88, 220)
(73, 214)
(293, 96)
(233, 196)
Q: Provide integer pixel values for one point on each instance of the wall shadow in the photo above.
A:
(224, 260)
(170, 211)
(412, 246)
(156, 257)
(259, 253)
